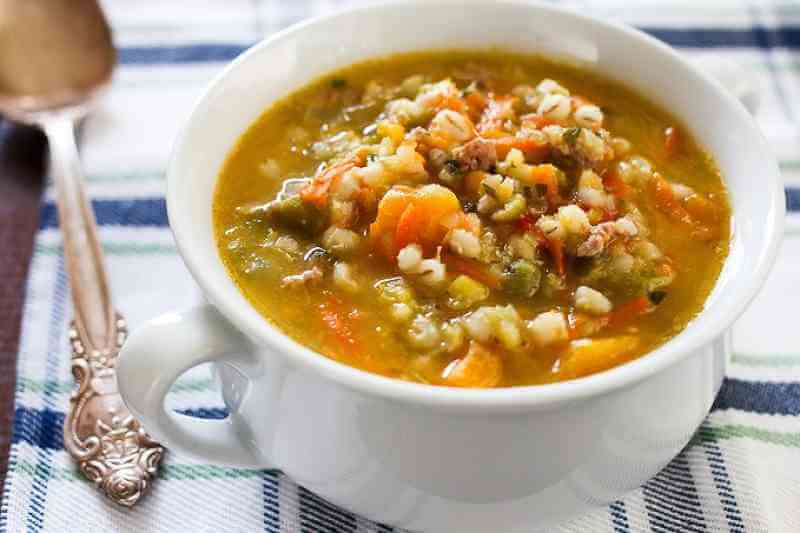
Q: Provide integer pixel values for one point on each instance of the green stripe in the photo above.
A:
(789, 164)
(144, 175)
(731, 431)
(766, 360)
(114, 248)
(167, 471)
(65, 387)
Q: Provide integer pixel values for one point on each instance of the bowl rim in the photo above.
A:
(508, 399)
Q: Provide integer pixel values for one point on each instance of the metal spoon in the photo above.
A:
(56, 57)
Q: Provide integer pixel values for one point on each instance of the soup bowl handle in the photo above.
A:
(153, 358)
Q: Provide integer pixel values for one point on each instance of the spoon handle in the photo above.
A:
(111, 448)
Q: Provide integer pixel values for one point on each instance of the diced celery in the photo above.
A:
(465, 292)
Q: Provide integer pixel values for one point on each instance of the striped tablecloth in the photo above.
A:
(740, 473)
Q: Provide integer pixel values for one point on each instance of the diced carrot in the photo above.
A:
(556, 249)
(673, 142)
(533, 150)
(494, 134)
(473, 269)
(701, 208)
(454, 103)
(409, 225)
(421, 225)
(583, 325)
(625, 313)
(616, 186)
(339, 324)
(316, 192)
(479, 368)
(547, 175)
(667, 202)
(588, 356)
(472, 181)
(476, 103)
(536, 121)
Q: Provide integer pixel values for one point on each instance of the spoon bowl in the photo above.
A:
(55, 55)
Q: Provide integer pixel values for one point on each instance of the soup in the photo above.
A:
(472, 219)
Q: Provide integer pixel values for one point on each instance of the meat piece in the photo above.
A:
(307, 277)
(477, 154)
(602, 234)
(599, 237)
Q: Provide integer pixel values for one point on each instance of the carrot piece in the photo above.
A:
(536, 121)
(476, 103)
(316, 192)
(583, 325)
(546, 175)
(666, 201)
(473, 269)
(339, 324)
(480, 368)
(673, 142)
(409, 226)
(589, 356)
(396, 224)
(556, 249)
(617, 187)
(532, 149)
(701, 208)
(628, 311)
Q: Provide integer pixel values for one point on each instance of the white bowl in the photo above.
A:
(417, 456)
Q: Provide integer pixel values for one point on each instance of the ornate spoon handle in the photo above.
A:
(101, 435)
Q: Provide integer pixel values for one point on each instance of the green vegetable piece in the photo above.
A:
(338, 83)
(514, 209)
(522, 278)
(570, 136)
(292, 212)
(465, 292)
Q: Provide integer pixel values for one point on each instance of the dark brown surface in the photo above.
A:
(21, 172)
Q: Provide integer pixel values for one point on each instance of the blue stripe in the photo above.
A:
(319, 516)
(269, 491)
(672, 501)
(792, 199)
(188, 53)
(55, 334)
(42, 427)
(619, 517)
(153, 211)
(133, 212)
(722, 482)
(759, 397)
(758, 37)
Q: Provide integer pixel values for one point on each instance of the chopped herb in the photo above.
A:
(541, 189)
(490, 191)
(453, 167)
(371, 158)
(338, 83)
(657, 296)
(570, 136)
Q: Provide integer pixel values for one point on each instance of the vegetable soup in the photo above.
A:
(472, 219)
